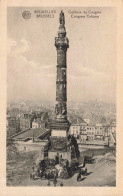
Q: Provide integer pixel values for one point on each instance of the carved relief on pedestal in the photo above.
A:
(59, 143)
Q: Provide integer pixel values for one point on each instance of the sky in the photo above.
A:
(91, 57)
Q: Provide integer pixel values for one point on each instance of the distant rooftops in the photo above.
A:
(93, 125)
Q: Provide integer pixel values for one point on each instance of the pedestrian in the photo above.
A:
(67, 163)
(57, 159)
(84, 161)
(55, 176)
(41, 174)
(33, 177)
(78, 177)
(48, 175)
(61, 184)
(33, 168)
(84, 171)
(48, 184)
(54, 181)
(30, 176)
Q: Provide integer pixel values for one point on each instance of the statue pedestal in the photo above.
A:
(61, 148)
(59, 128)
(59, 141)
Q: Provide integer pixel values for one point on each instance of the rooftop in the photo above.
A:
(30, 133)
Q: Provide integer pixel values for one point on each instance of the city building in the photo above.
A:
(44, 116)
(113, 127)
(75, 130)
(37, 123)
(87, 132)
(87, 120)
(90, 129)
(83, 134)
(98, 132)
(12, 125)
(106, 133)
(26, 121)
(83, 131)
(13, 112)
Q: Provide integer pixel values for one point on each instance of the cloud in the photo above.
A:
(47, 67)
(27, 79)
(85, 84)
(51, 75)
(81, 72)
(17, 48)
(11, 43)
(18, 51)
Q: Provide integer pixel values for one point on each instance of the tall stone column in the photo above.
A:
(61, 43)
(60, 126)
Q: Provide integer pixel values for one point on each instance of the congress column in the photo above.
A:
(61, 43)
(60, 125)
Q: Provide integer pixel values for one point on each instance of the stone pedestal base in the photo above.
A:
(60, 125)
(60, 154)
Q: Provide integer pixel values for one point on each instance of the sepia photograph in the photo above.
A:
(61, 116)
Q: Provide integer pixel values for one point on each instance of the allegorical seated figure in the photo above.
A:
(60, 110)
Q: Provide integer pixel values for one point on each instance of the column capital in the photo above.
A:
(61, 43)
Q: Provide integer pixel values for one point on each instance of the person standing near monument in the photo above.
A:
(48, 176)
(57, 159)
(61, 184)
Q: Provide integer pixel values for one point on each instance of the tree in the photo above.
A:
(11, 145)
(74, 143)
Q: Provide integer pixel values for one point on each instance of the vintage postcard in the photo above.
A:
(61, 109)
